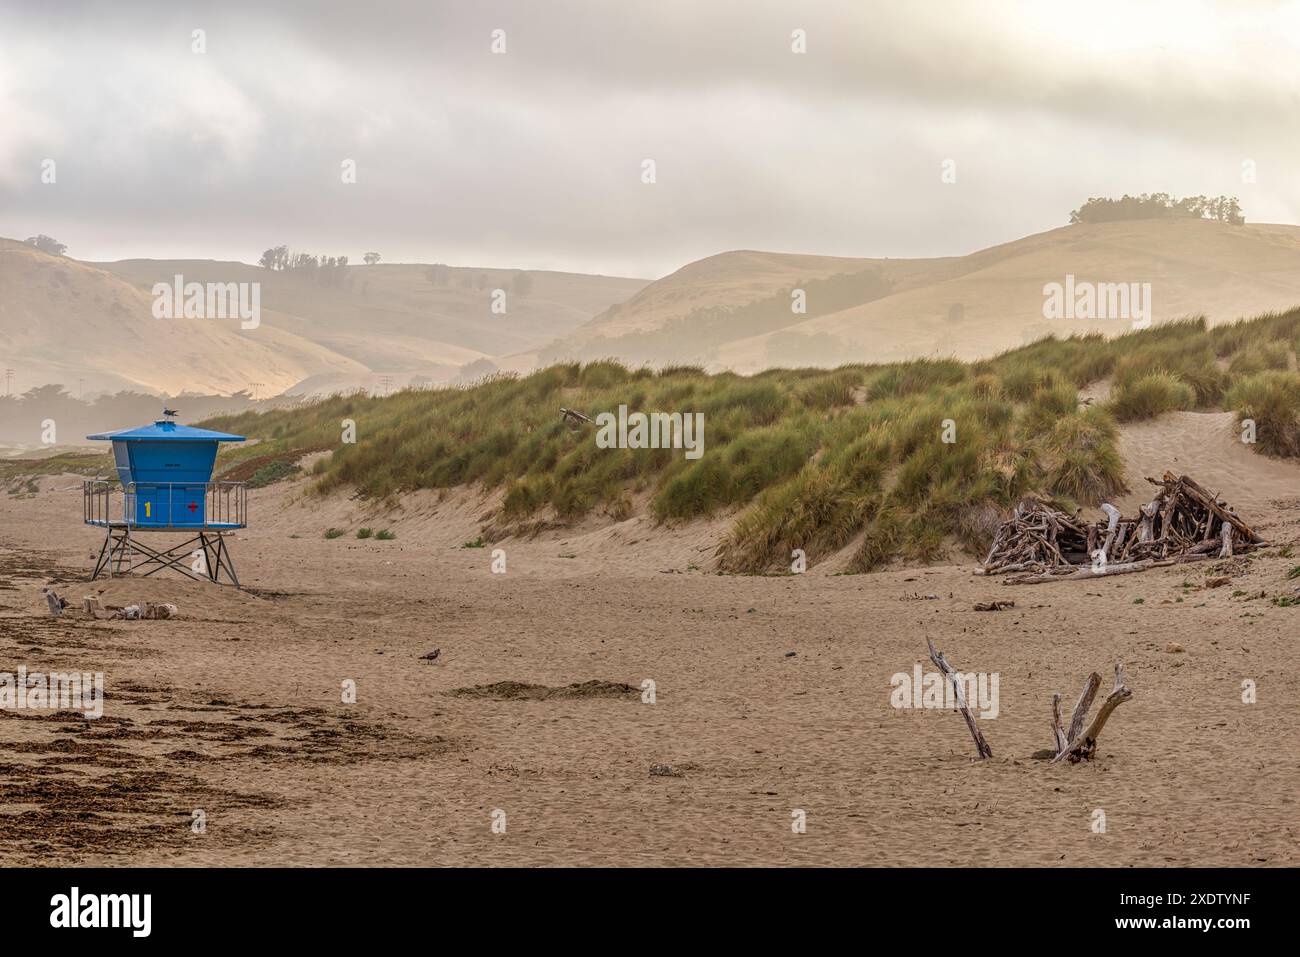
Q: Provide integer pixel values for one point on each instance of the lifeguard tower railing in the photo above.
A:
(206, 510)
(159, 506)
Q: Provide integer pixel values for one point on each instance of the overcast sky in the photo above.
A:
(533, 158)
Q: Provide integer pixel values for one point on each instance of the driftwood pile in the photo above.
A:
(1183, 522)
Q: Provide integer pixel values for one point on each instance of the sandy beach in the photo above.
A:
(535, 706)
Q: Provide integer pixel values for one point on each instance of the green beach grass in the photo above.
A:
(808, 458)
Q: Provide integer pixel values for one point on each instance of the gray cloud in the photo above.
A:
(533, 158)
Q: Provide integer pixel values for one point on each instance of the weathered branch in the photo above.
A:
(1057, 732)
(942, 664)
(1081, 706)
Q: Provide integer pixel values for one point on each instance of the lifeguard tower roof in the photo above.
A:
(165, 452)
(165, 431)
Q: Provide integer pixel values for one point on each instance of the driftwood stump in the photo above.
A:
(1081, 745)
(941, 663)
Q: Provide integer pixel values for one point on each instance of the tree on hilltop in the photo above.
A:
(1099, 209)
(46, 244)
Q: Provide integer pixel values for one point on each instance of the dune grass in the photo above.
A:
(1151, 395)
(1271, 400)
(89, 463)
(910, 457)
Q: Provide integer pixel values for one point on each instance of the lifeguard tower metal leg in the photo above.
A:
(118, 554)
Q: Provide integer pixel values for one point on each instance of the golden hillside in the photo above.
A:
(732, 311)
(394, 321)
(92, 325)
(64, 321)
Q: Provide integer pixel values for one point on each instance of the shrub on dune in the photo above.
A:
(1048, 406)
(1272, 401)
(829, 390)
(733, 474)
(862, 460)
(882, 542)
(1084, 461)
(1089, 477)
(816, 511)
(603, 374)
(1260, 358)
(1151, 395)
(758, 403)
(1022, 380)
(1191, 362)
(918, 375)
(526, 496)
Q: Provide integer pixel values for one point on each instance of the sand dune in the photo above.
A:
(1207, 446)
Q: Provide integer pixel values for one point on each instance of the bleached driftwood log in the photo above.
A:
(141, 611)
(942, 664)
(1112, 523)
(1065, 575)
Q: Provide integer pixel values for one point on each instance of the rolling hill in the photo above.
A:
(395, 322)
(733, 311)
(67, 321)
(62, 321)
(394, 325)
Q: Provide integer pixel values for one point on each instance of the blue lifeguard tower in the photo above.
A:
(165, 471)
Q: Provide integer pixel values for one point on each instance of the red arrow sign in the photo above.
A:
(193, 506)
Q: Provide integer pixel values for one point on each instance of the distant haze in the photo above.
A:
(533, 158)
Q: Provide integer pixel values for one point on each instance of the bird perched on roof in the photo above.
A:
(170, 413)
(431, 656)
